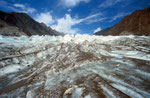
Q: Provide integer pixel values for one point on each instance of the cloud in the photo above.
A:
(16, 7)
(98, 29)
(119, 15)
(69, 10)
(109, 3)
(66, 23)
(45, 18)
(6, 5)
(72, 3)
(24, 8)
(95, 20)
(3, 3)
(91, 16)
(19, 5)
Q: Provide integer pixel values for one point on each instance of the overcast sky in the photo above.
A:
(75, 16)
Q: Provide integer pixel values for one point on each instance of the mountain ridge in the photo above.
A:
(26, 24)
(138, 23)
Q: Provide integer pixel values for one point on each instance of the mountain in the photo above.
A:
(138, 23)
(102, 32)
(21, 22)
(7, 30)
(50, 29)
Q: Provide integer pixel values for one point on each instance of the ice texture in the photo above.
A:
(94, 66)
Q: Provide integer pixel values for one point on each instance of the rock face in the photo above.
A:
(138, 23)
(11, 31)
(25, 24)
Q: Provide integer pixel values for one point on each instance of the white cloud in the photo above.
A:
(119, 15)
(19, 5)
(108, 3)
(65, 24)
(45, 18)
(95, 20)
(24, 8)
(91, 16)
(16, 7)
(69, 10)
(2, 2)
(98, 29)
(72, 3)
(6, 5)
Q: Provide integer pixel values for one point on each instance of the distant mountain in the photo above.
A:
(48, 28)
(21, 22)
(102, 32)
(138, 23)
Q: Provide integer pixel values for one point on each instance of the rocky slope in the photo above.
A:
(80, 66)
(25, 24)
(138, 23)
(102, 32)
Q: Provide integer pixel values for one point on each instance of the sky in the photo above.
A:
(75, 16)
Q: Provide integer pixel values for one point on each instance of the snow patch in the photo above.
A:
(127, 91)
(10, 69)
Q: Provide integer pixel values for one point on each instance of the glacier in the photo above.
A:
(94, 66)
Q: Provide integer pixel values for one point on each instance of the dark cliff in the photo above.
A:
(25, 24)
